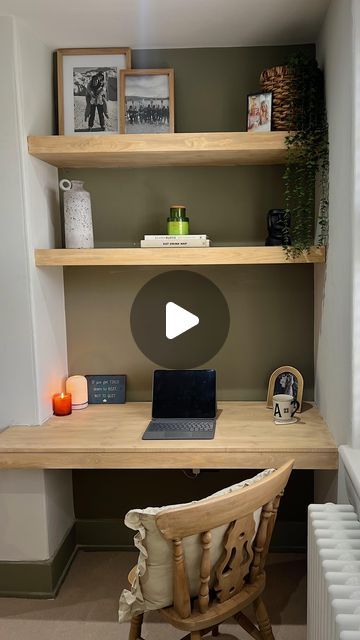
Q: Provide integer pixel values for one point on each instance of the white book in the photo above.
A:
(200, 236)
(175, 243)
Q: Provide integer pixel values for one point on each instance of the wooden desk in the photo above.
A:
(109, 437)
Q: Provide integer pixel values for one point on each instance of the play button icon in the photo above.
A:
(178, 320)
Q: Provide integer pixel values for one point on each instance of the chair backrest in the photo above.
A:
(244, 555)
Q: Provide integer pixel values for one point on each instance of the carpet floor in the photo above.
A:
(86, 606)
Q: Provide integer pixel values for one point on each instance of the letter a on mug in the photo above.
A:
(277, 411)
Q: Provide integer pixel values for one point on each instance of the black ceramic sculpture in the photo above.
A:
(275, 225)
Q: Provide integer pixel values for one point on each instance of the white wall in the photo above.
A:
(35, 506)
(58, 491)
(17, 372)
(333, 281)
(33, 334)
(356, 228)
(36, 513)
(22, 504)
(42, 218)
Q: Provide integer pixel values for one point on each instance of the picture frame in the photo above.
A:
(259, 112)
(147, 101)
(88, 89)
(286, 379)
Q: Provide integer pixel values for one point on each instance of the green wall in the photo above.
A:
(211, 85)
(271, 315)
(271, 306)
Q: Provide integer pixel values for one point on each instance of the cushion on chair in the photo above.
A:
(152, 587)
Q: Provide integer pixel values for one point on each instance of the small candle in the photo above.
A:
(62, 404)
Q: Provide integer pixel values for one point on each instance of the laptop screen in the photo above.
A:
(184, 393)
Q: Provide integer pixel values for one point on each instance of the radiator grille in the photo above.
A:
(333, 607)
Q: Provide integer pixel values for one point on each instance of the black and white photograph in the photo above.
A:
(96, 99)
(89, 90)
(287, 383)
(286, 380)
(147, 101)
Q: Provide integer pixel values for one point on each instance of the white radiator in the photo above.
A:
(333, 607)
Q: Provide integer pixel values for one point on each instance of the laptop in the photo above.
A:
(183, 405)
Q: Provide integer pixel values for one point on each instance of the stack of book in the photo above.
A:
(200, 240)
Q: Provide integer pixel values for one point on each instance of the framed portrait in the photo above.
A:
(259, 112)
(147, 101)
(89, 89)
(286, 380)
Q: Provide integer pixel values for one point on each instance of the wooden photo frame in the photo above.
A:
(147, 101)
(88, 89)
(259, 112)
(286, 379)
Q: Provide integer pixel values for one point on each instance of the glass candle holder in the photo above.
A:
(62, 404)
(178, 222)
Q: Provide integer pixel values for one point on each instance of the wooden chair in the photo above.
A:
(239, 573)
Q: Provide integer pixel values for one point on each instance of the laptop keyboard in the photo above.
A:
(186, 425)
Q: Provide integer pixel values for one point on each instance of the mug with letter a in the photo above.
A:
(284, 408)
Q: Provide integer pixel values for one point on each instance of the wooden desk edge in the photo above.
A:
(156, 460)
(107, 451)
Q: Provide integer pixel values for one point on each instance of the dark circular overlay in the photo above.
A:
(196, 294)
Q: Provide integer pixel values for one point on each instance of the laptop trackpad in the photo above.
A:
(178, 435)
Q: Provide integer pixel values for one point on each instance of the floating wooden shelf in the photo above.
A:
(109, 437)
(188, 256)
(166, 149)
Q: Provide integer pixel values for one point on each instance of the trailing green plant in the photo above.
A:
(308, 157)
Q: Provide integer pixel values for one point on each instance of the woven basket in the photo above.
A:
(280, 81)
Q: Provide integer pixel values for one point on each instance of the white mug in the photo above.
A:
(284, 407)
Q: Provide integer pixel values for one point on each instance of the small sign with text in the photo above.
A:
(107, 389)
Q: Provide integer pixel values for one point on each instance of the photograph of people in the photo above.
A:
(147, 103)
(264, 113)
(95, 100)
(253, 113)
(286, 383)
(259, 112)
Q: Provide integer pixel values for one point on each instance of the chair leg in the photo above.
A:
(215, 630)
(196, 635)
(135, 627)
(263, 620)
(249, 627)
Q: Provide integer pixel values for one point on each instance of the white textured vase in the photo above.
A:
(77, 215)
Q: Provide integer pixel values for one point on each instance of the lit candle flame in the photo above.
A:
(62, 395)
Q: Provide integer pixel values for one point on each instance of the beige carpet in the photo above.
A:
(86, 607)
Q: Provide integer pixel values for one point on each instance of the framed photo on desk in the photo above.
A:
(287, 380)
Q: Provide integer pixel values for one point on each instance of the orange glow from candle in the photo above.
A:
(62, 404)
